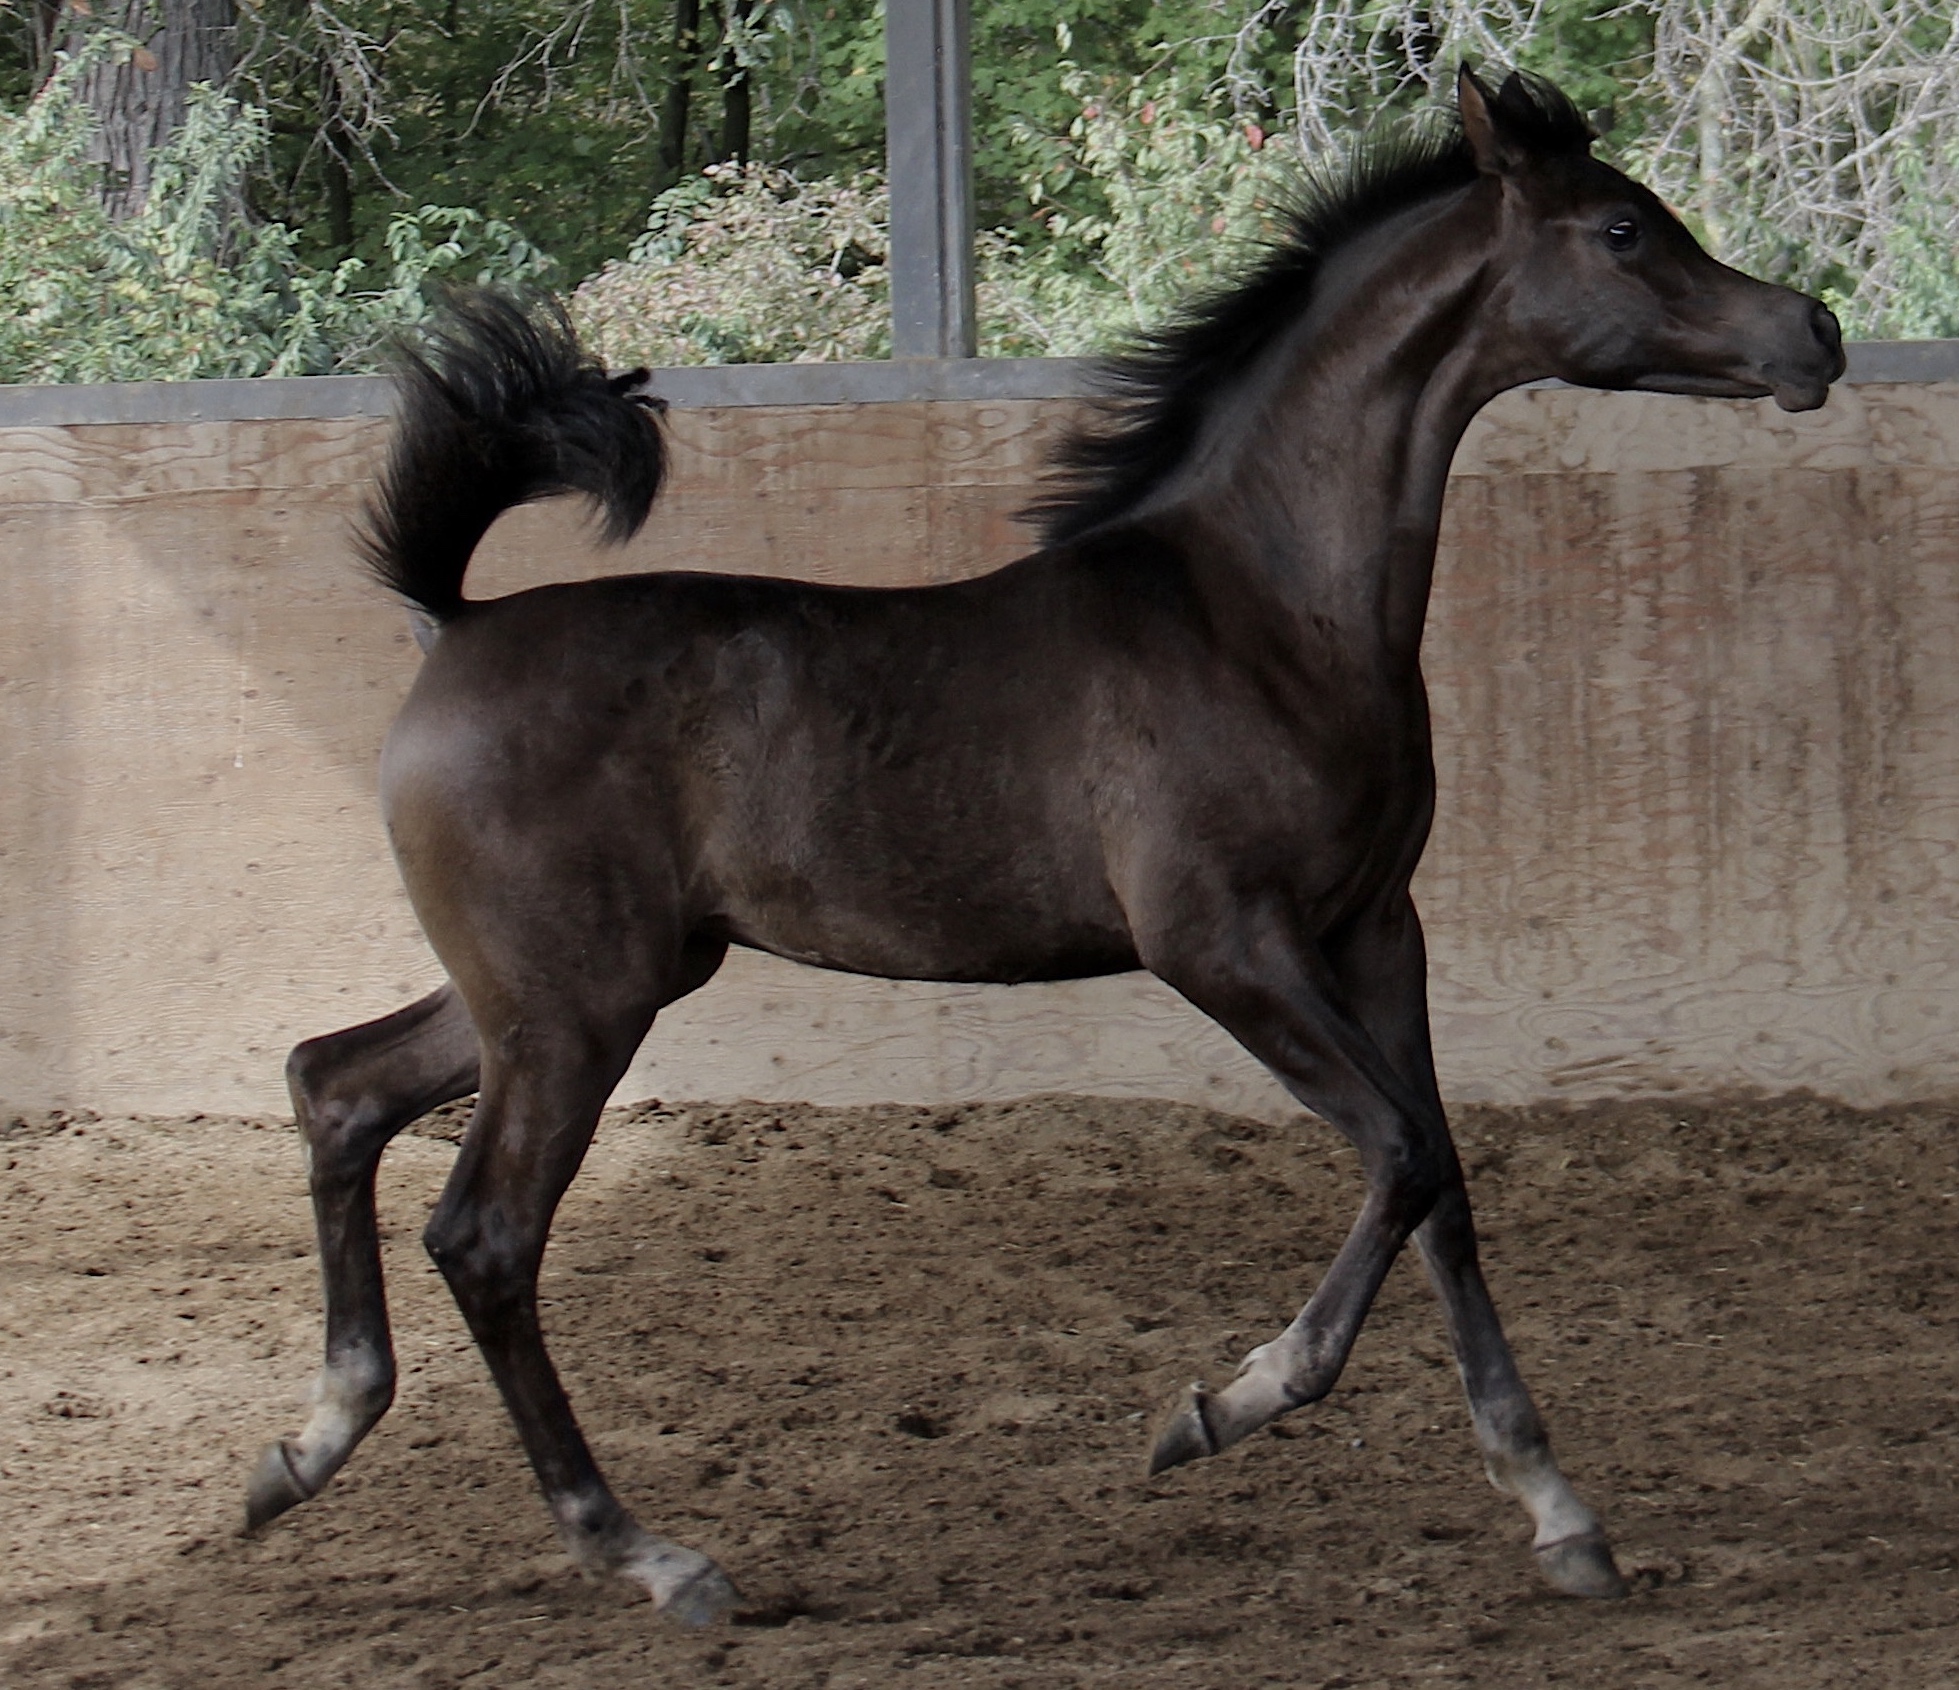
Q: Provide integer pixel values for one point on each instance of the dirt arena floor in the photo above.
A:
(896, 1368)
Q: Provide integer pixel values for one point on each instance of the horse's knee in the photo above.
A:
(1412, 1177)
(1448, 1232)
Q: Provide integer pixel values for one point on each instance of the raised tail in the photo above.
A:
(500, 406)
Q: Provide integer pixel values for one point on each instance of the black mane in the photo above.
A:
(1157, 389)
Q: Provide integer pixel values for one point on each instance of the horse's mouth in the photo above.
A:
(1702, 386)
(1801, 396)
(1802, 393)
(1808, 388)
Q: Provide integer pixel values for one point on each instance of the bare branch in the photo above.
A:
(1817, 140)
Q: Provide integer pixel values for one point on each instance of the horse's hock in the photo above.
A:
(1697, 728)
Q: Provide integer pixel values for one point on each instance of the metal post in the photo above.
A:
(928, 125)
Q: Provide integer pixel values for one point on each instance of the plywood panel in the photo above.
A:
(1698, 810)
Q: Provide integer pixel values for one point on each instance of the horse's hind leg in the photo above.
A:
(548, 1067)
(352, 1092)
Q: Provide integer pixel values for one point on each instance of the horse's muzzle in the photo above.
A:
(1804, 388)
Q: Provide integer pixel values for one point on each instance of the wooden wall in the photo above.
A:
(1694, 678)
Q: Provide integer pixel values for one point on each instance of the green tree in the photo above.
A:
(175, 290)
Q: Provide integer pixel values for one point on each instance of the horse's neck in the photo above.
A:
(1330, 479)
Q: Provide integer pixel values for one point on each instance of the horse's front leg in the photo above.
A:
(352, 1091)
(1279, 999)
(1383, 970)
(1313, 1019)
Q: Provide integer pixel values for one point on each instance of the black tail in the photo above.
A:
(498, 407)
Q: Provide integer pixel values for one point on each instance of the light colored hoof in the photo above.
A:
(706, 1597)
(1185, 1433)
(685, 1585)
(1581, 1566)
(273, 1488)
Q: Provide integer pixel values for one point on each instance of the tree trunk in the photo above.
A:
(46, 23)
(336, 160)
(680, 93)
(139, 104)
(735, 113)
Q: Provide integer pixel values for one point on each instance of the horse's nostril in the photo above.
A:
(1823, 322)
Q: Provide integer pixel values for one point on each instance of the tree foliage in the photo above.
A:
(747, 265)
(172, 292)
(753, 265)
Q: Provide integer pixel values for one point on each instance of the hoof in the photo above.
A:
(685, 1585)
(706, 1597)
(1581, 1566)
(272, 1489)
(1185, 1434)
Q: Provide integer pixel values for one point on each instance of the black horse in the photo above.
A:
(1189, 734)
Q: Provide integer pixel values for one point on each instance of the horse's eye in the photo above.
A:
(1623, 235)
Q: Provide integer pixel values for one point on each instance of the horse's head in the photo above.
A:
(1599, 284)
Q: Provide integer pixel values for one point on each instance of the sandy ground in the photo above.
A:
(896, 1368)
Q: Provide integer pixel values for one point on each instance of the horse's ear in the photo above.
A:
(1495, 155)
